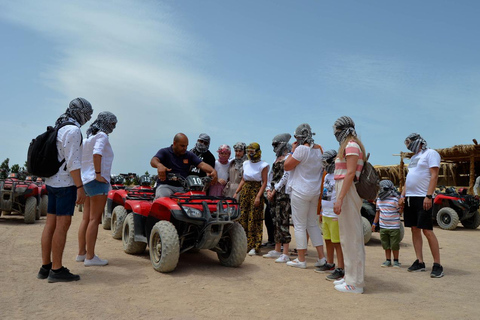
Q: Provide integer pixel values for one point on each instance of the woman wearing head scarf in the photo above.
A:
(221, 165)
(97, 161)
(235, 170)
(305, 181)
(252, 186)
(348, 165)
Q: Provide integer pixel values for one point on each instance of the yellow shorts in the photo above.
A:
(330, 229)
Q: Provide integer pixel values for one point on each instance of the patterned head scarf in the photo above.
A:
(387, 189)
(413, 142)
(343, 127)
(105, 122)
(79, 109)
(304, 134)
(240, 146)
(202, 146)
(224, 153)
(280, 142)
(254, 153)
(239, 161)
(328, 159)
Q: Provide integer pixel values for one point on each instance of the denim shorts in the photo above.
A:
(61, 201)
(96, 188)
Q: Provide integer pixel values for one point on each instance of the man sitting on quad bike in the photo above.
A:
(176, 159)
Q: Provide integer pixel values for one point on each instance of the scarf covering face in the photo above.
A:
(413, 142)
(304, 134)
(79, 109)
(239, 161)
(343, 127)
(105, 122)
(203, 147)
(328, 159)
(254, 153)
(280, 142)
(224, 153)
(387, 189)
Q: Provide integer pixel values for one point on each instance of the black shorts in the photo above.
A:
(415, 216)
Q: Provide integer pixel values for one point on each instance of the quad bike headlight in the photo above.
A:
(192, 212)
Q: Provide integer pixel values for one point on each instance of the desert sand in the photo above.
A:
(200, 288)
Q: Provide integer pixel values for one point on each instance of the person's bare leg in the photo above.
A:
(417, 243)
(388, 254)
(433, 243)
(338, 250)
(301, 254)
(286, 246)
(59, 239)
(330, 251)
(82, 230)
(320, 252)
(97, 205)
(47, 236)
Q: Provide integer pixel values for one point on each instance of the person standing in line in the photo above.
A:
(97, 162)
(201, 151)
(305, 182)
(65, 189)
(252, 186)
(235, 171)
(222, 164)
(417, 198)
(388, 215)
(348, 166)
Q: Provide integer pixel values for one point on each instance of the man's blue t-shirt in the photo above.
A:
(179, 164)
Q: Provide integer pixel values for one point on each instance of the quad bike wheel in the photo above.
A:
(131, 246)
(367, 230)
(30, 210)
(447, 218)
(106, 222)
(118, 216)
(164, 247)
(473, 222)
(234, 246)
(38, 212)
(44, 206)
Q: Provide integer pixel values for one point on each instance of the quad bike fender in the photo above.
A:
(440, 198)
(118, 196)
(140, 207)
(161, 208)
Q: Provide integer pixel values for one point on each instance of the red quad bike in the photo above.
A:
(42, 195)
(20, 197)
(185, 221)
(451, 207)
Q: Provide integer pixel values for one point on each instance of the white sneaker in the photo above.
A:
(80, 257)
(320, 262)
(339, 281)
(297, 264)
(272, 254)
(252, 252)
(95, 261)
(282, 259)
(347, 288)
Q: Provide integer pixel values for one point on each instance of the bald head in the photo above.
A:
(180, 144)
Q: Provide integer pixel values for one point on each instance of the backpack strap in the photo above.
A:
(319, 206)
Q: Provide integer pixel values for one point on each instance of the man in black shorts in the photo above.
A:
(417, 200)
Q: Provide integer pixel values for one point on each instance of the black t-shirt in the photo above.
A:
(206, 157)
(179, 164)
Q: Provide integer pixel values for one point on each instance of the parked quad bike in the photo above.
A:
(182, 222)
(368, 212)
(20, 197)
(451, 207)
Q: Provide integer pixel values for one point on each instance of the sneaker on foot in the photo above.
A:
(320, 262)
(252, 252)
(63, 275)
(347, 288)
(327, 267)
(417, 266)
(339, 281)
(297, 264)
(81, 257)
(43, 273)
(282, 259)
(386, 263)
(396, 264)
(272, 254)
(95, 261)
(335, 275)
(437, 271)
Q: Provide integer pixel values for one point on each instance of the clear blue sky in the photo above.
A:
(242, 71)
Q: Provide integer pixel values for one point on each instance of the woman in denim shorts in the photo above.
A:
(97, 158)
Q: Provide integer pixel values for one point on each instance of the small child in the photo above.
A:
(388, 213)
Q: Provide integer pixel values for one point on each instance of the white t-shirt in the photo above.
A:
(306, 179)
(96, 144)
(418, 177)
(222, 169)
(252, 171)
(329, 196)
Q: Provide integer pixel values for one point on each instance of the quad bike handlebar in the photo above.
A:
(191, 182)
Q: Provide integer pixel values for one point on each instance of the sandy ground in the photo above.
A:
(200, 288)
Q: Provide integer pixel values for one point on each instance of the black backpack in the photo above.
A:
(368, 183)
(42, 156)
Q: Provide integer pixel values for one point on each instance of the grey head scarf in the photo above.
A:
(280, 142)
(413, 142)
(239, 161)
(202, 147)
(387, 189)
(105, 122)
(343, 127)
(303, 134)
(79, 109)
(328, 159)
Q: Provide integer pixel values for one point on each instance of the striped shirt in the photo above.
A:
(389, 214)
(352, 149)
